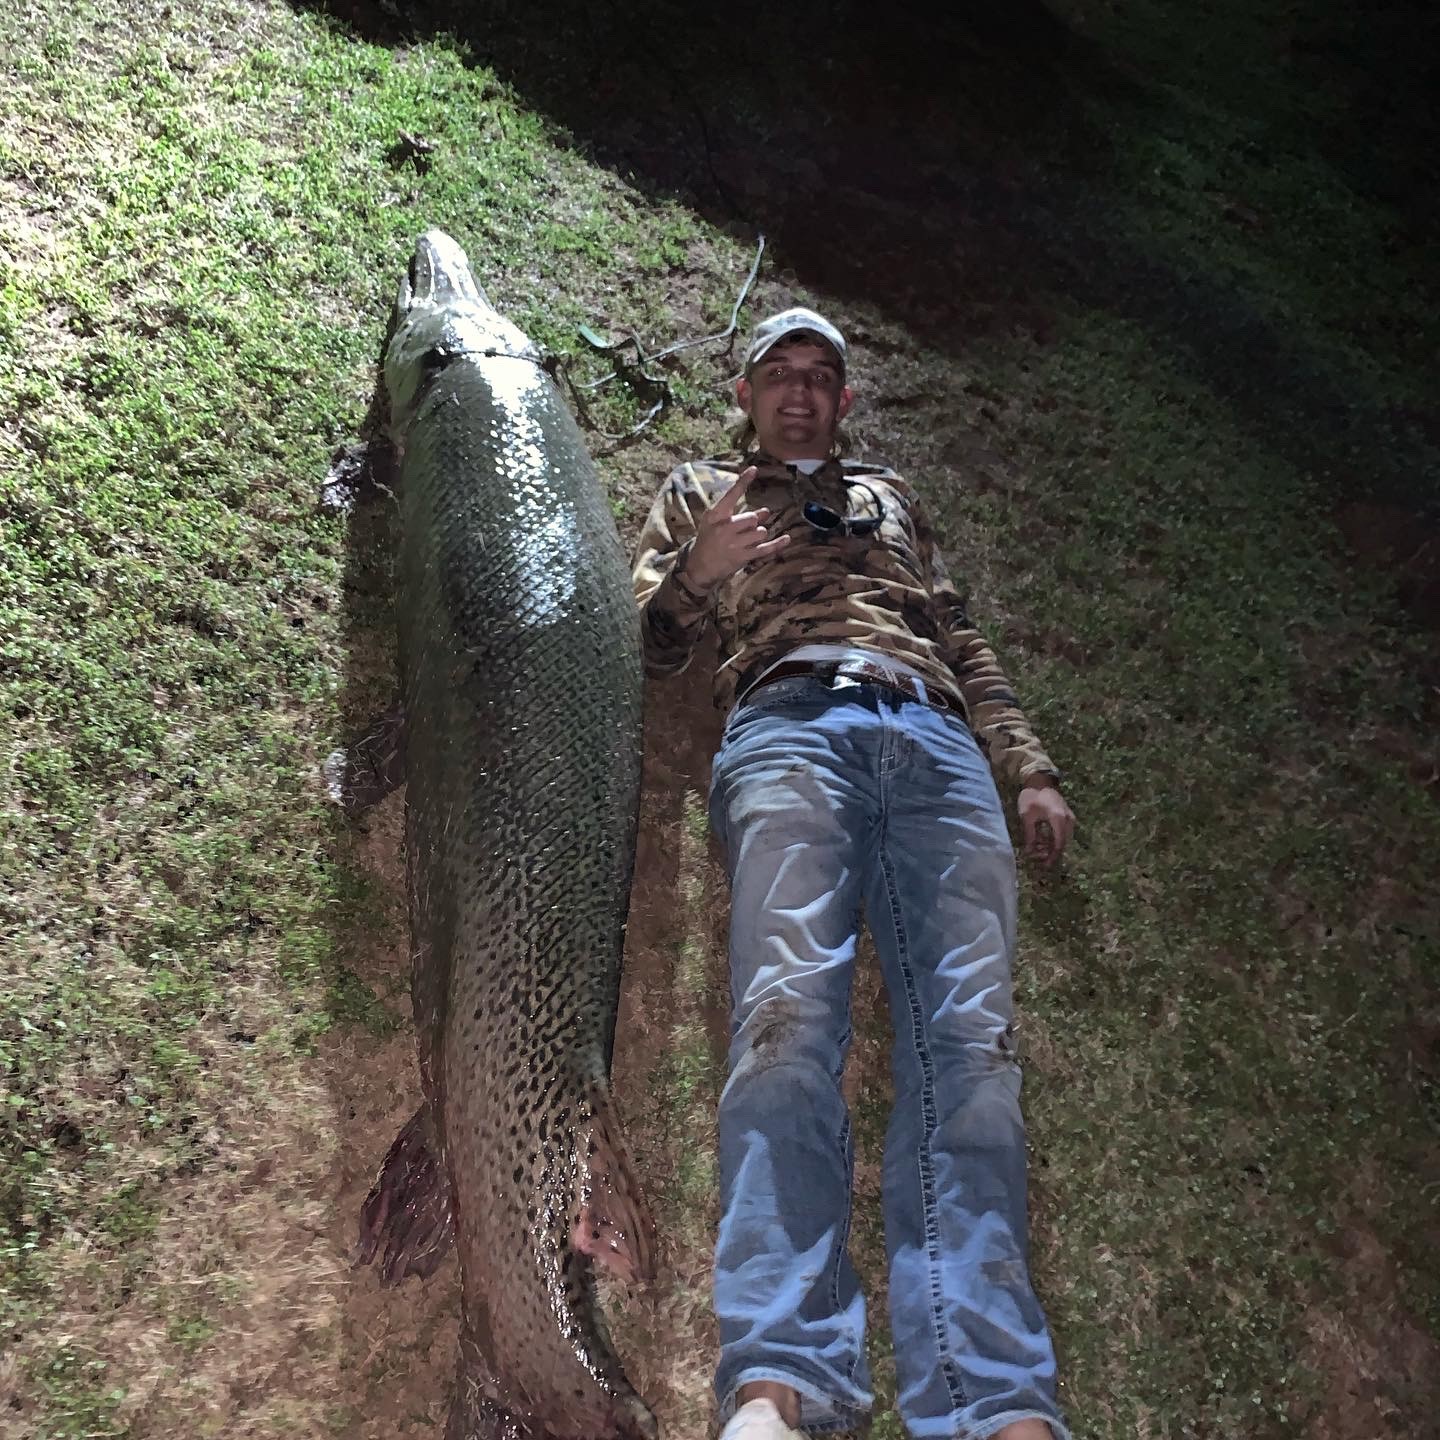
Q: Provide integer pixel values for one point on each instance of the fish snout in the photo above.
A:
(439, 275)
(441, 314)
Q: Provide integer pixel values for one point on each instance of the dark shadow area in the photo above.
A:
(952, 172)
(1381, 66)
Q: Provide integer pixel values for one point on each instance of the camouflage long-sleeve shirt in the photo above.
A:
(889, 592)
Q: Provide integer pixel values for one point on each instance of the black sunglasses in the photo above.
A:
(827, 522)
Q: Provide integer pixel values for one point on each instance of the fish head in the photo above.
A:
(441, 315)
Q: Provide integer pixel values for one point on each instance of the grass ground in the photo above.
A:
(1138, 293)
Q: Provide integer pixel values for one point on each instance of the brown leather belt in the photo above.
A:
(864, 670)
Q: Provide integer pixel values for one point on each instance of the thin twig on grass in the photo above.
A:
(636, 373)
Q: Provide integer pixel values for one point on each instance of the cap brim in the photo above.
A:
(809, 333)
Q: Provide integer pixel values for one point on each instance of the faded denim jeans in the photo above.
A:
(829, 800)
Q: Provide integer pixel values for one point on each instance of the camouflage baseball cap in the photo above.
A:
(771, 331)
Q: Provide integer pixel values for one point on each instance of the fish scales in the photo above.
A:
(519, 658)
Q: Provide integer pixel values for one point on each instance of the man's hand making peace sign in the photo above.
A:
(726, 542)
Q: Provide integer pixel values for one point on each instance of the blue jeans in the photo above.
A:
(830, 799)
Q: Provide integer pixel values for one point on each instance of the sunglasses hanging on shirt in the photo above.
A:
(826, 521)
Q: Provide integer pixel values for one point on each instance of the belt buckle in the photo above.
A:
(880, 674)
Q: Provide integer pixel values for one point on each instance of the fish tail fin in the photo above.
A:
(408, 1215)
(613, 1225)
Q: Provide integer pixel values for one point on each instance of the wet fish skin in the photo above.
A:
(519, 656)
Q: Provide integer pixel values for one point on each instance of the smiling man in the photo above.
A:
(852, 777)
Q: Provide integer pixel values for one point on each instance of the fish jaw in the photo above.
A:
(441, 315)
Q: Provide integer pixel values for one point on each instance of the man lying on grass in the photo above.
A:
(852, 775)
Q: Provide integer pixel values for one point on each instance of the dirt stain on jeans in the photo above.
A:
(1007, 1274)
(774, 1039)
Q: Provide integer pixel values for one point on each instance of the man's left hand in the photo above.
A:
(1046, 821)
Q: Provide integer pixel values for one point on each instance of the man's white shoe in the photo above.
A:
(759, 1420)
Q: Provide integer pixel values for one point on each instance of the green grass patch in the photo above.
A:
(80, 1404)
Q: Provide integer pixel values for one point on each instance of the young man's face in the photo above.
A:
(795, 397)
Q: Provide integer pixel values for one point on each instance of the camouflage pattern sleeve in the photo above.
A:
(995, 715)
(672, 616)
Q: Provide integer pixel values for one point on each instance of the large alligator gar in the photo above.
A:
(519, 659)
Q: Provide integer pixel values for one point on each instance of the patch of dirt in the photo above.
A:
(1416, 750)
(1052, 641)
(1403, 543)
(397, 1344)
(234, 1329)
(1383, 1367)
(667, 1335)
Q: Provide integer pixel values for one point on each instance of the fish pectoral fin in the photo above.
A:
(613, 1225)
(407, 1217)
(371, 767)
